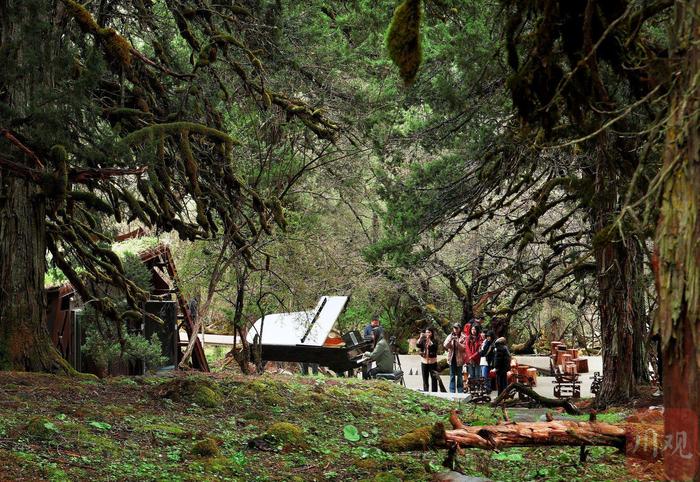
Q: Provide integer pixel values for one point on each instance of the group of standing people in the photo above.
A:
(480, 352)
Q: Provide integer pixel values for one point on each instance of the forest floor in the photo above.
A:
(202, 427)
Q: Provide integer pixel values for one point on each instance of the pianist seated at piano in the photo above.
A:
(381, 355)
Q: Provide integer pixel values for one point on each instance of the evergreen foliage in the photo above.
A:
(138, 124)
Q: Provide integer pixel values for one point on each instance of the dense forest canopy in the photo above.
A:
(531, 163)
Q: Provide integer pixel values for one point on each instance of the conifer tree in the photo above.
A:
(123, 111)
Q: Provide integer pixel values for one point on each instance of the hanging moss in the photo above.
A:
(113, 195)
(258, 204)
(150, 212)
(185, 231)
(84, 18)
(161, 169)
(154, 131)
(191, 169)
(59, 155)
(184, 28)
(226, 39)
(92, 201)
(212, 54)
(112, 258)
(91, 220)
(278, 212)
(117, 48)
(403, 39)
(134, 207)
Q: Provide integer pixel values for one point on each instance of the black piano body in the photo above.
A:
(303, 337)
(338, 359)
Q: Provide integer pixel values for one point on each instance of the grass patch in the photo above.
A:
(157, 428)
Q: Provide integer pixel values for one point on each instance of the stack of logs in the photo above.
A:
(568, 359)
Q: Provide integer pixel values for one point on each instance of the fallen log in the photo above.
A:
(567, 405)
(633, 439)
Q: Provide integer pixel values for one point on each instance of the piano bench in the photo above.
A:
(393, 376)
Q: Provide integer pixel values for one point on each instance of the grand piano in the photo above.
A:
(310, 337)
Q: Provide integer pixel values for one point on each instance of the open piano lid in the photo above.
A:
(309, 328)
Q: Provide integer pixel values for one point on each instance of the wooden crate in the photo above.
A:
(555, 344)
(563, 358)
(581, 364)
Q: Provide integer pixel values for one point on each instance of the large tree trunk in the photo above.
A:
(24, 339)
(619, 276)
(641, 320)
(677, 257)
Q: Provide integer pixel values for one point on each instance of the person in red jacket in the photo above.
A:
(473, 352)
(477, 322)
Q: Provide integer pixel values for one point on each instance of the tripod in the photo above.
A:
(397, 359)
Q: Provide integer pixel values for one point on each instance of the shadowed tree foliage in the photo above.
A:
(588, 82)
(472, 176)
(125, 111)
(584, 76)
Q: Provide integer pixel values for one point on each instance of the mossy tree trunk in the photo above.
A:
(24, 340)
(677, 257)
(621, 292)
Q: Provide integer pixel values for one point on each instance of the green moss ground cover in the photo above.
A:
(200, 428)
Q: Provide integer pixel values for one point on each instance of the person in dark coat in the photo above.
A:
(486, 361)
(375, 323)
(428, 353)
(501, 362)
